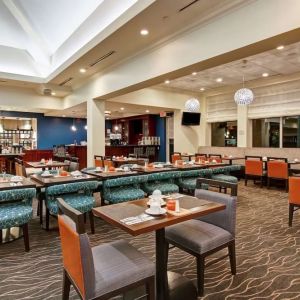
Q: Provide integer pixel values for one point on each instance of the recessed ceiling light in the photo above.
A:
(122, 108)
(280, 47)
(53, 93)
(82, 70)
(167, 81)
(144, 32)
(202, 89)
(265, 74)
(63, 116)
(219, 79)
(147, 111)
(194, 73)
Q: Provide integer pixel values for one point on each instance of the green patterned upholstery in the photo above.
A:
(79, 195)
(223, 173)
(124, 189)
(16, 207)
(189, 178)
(163, 181)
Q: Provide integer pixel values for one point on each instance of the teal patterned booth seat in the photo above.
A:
(188, 179)
(123, 189)
(16, 210)
(223, 173)
(78, 195)
(163, 181)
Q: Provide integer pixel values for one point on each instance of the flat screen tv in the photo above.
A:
(190, 119)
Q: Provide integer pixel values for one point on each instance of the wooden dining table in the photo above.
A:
(121, 161)
(192, 207)
(39, 165)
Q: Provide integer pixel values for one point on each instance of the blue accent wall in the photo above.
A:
(161, 132)
(53, 130)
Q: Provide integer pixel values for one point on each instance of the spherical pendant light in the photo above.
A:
(243, 96)
(192, 105)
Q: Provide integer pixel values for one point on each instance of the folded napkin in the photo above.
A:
(16, 179)
(137, 219)
(76, 173)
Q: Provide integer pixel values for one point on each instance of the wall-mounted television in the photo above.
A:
(190, 119)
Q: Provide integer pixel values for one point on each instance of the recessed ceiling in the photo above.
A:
(274, 62)
(40, 38)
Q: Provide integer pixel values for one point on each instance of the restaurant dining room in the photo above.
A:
(149, 149)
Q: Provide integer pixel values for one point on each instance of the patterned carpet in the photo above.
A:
(268, 259)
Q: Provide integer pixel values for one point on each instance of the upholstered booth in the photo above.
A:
(16, 210)
(101, 272)
(209, 234)
(78, 195)
(124, 189)
(188, 179)
(163, 181)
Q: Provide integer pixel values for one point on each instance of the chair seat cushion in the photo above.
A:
(197, 235)
(118, 265)
(223, 177)
(80, 202)
(123, 194)
(13, 215)
(164, 187)
(188, 183)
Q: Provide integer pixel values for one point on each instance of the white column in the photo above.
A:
(243, 126)
(96, 129)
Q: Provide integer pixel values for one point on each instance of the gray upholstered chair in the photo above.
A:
(103, 271)
(209, 234)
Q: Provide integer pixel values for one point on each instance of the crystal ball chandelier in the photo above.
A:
(192, 105)
(243, 96)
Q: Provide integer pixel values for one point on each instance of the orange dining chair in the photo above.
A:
(103, 271)
(294, 197)
(254, 169)
(278, 170)
(217, 159)
(200, 157)
(175, 156)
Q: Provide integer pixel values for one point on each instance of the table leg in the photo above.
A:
(161, 266)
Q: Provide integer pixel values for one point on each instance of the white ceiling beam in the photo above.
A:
(38, 50)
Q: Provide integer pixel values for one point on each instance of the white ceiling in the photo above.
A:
(274, 62)
(39, 38)
(80, 111)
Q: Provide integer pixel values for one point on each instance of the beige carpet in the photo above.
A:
(268, 255)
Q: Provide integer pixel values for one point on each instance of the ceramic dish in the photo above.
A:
(151, 213)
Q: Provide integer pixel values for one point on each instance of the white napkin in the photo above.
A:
(137, 219)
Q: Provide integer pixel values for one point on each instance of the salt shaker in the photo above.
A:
(177, 207)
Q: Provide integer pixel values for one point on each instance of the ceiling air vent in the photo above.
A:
(108, 54)
(187, 6)
(66, 81)
(47, 92)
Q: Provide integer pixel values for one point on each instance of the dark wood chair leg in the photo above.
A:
(231, 252)
(1, 238)
(268, 182)
(26, 237)
(291, 214)
(41, 208)
(38, 208)
(200, 274)
(261, 181)
(92, 223)
(287, 185)
(66, 286)
(150, 289)
(84, 216)
(47, 218)
(246, 180)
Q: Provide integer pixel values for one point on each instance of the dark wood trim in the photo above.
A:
(219, 184)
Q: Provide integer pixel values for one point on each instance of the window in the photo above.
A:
(266, 132)
(291, 132)
(224, 134)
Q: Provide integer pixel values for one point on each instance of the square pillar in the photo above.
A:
(243, 125)
(95, 129)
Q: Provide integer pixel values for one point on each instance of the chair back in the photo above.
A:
(277, 169)
(175, 157)
(200, 157)
(254, 167)
(24, 194)
(270, 158)
(18, 168)
(217, 159)
(66, 161)
(226, 218)
(76, 251)
(294, 190)
(74, 166)
(253, 157)
(215, 155)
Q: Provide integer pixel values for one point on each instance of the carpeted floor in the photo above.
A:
(268, 258)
